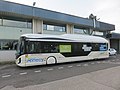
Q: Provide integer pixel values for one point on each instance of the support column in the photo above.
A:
(37, 26)
(69, 29)
(108, 42)
(91, 32)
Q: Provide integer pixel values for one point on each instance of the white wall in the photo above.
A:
(7, 55)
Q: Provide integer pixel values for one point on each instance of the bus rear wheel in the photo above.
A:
(51, 60)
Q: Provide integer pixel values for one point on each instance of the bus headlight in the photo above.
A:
(19, 60)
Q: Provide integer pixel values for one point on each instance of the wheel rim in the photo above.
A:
(51, 60)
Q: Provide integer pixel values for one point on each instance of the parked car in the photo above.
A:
(112, 51)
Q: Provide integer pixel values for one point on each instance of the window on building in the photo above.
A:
(16, 23)
(98, 33)
(29, 25)
(50, 27)
(59, 28)
(80, 30)
(8, 44)
(0, 21)
(44, 27)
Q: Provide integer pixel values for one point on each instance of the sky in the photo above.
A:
(107, 10)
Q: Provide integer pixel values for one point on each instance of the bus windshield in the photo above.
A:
(20, 48)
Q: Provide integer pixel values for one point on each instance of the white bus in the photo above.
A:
(40, 49)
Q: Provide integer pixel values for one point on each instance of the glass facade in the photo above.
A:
(78, 30)
(98, 33)
(0, 21)
(58, 28)
(10, 28)
(8, 44)
(16, 23)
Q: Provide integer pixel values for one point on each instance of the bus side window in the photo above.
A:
(38, 47)
(49, 48)
(45, 48)
(54, 48)
(32, 48)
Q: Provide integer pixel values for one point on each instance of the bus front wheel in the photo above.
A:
(51, 60)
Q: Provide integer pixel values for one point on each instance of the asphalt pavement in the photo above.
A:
(91, 75)
(108, 79)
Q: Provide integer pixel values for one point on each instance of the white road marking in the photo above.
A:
(70, 66)
(78, 65)
(6, 76)
(113, 63)
(50, 69)
(92, 63)
(98, 62)
(113, 60)
(38, 71)
(60, 67)
(104, 62)
(85, 65)
(23, 73)
(108, 61)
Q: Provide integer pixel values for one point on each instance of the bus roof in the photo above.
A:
(65, 37)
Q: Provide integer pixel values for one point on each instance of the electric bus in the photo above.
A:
(43, 49)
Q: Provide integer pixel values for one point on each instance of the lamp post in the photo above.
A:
(94, 18)
(34, 3)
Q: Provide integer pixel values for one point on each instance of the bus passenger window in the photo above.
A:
(32, 48)
(54, 48)
(49, 48)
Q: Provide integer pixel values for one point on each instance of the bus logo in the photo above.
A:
(85, 48)
(35, 60)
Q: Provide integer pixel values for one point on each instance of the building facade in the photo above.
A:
(115, 41)
(17, 19)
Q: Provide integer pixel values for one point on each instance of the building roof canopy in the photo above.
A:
(14, 9)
